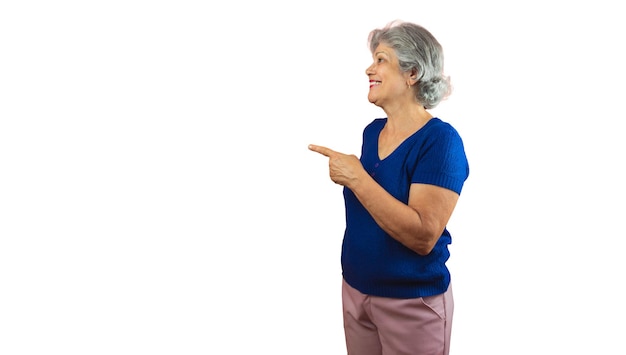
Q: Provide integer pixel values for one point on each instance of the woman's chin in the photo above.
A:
(374, 101)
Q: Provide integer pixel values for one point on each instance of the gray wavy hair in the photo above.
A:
(416, 48)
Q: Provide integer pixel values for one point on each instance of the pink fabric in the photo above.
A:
(394, 326)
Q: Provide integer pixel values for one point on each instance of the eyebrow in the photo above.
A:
(380, 52)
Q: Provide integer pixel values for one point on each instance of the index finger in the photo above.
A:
(322, 150)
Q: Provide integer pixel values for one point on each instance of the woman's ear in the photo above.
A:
(413, 75)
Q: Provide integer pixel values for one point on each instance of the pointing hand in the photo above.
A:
(344, 169)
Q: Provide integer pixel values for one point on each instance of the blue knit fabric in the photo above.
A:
(373, 262)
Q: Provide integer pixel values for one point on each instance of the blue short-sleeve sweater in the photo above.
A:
(372, 261)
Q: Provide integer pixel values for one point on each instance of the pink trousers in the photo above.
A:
(394, 326)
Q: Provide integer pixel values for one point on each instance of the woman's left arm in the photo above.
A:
(418, 224)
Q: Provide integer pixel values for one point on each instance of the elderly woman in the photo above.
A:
(399, 196)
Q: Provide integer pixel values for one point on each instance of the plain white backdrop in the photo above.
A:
(157, 195)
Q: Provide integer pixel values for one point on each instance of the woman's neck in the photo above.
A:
(406, 118)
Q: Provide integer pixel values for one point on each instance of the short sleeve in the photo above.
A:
(441, 159)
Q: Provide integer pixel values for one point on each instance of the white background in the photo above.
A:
(157, 195)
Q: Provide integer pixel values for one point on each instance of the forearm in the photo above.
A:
(399, 220)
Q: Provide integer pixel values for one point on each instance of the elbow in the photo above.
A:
(423, 237)
(424, 243)
(419, 244)
(423, 249)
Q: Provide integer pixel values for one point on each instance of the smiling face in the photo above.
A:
(388, 83)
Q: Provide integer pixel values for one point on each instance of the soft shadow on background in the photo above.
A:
(157, 195)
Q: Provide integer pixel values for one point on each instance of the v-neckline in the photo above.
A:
(381, 159)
